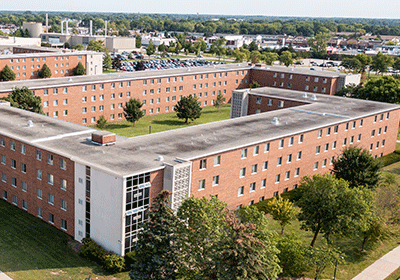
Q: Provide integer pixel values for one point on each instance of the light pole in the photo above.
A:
(337, 260)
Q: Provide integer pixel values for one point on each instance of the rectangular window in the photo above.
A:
(63, 184)
(256, 150)
(51, 199)
(244, 153)
(24, 205)
(23, 167)
(279, 161)
(326, 147)
(344, 141)
(38, 155)
(252, 187)
(202, 184)
(334, 145)
(203, 164)
(263, 183)
(281, 143)
(63, 164)
(215, 180)
(277, 178)
(217, 160)
(39, 174)
(242, 172)
(14, 182)
(254, 169)
(241, 191)
(324, 163)
(291, 139)
(50, 159)
(328, 131)
(50, 179)
(289, 158)
(265, 165)
(14, 200)
(317, 150)
(287, 175)
(336, 129)
(320, 133)
(40, 212)
(296, 172)
(12, 145)
(63, 224)
(315, 165)
(4, 177)
(266, 147)
(63, 205)
(51, 218)
(3, 159)
(13, 164)
(299, 155)
(301, 137)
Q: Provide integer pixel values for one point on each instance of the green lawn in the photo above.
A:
(394, 276)
(163, 122)
(33, 249)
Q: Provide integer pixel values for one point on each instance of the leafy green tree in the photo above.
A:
(138, 41)
(219, 101)
(101, 122)
(286, 58)
(396, 63)
(270, 57)
(350, 90)
(329, 206)
(254, 84)
(255, 56)
(79, 70)
(201, 228)
(45, 72)
(253, 46)
(282, 210)
(218, 47)
(238, 55)
(381, 62)
(24, 98)
(188, 108)
(383, 89)
(351, 63)
(242, 255)
(151, 49)
(357, 166)
(322, 257)
(97, 46)
(377, 228)
(162, 48)
(79, 47)
(107, 61)
(292, 256)
(132, 110)
(156, 243)
(318, 44)
(365, 61)
(7, 74)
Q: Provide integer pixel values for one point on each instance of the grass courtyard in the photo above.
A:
(163, 122)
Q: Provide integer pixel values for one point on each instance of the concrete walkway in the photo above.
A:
(382, 268)
(3, 276)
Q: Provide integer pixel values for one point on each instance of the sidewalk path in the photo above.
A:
(382, 268)
(3, 276)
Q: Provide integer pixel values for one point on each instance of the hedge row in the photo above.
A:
(111, 262)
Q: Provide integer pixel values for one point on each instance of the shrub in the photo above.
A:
(129, 260)
(93, 251)
(114, 263)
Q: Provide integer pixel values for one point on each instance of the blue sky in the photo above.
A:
(312, 8)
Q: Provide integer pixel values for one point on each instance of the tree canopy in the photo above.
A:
(24, 98)
(383, 89)
(151, 49)
(357, 166)
(7, 74)
(132, 110)
(45, 72)
(188, 108)
(79, 70)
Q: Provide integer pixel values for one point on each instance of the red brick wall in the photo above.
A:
(266, 78)
(75, 95)
(231, 162)
(263, 106)
(65, 65)
(157, 183)
(30, 196)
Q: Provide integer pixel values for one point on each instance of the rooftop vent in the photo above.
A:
(305, 95)
(69, 79)
(160, 158)
(104, 138)
(29, 124)
(313, 97)
(275, 121)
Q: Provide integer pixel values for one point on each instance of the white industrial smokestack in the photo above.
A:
(66, 27)
(90, 29)
(105, 29)
(62, 27)
(47, 23)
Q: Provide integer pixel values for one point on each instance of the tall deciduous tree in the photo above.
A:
(242, 255)
(24, 98)
(7, 74)
(286, 58)
(79, 70)
(270, 58)
(151, 49)
(107, 61)
(318, 44)
(329, 206)
(381, 62)
(138, 41)
(132, 110)
(45, 72)
(383, 89)
(156, 244)
(282, 210)
(357, 166)
(201, 228)
(188, 108)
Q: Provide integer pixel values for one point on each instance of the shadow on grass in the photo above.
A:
(117, 126)
(169, 122)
